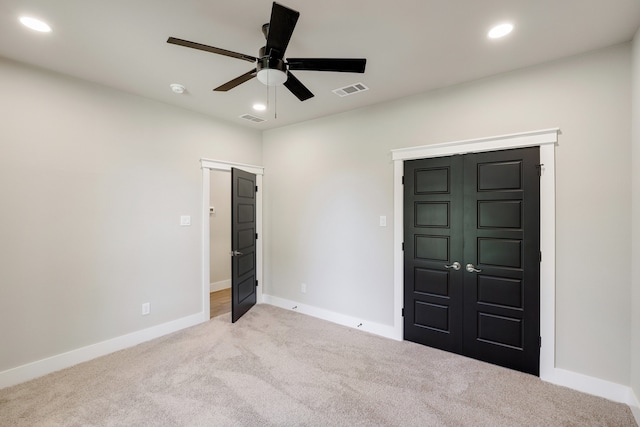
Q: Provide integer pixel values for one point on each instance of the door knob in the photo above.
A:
(235, 253)
(472, 268)
(455, 266)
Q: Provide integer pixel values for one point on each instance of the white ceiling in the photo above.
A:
(411, 46)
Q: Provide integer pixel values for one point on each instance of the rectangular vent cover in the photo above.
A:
(252, 118)
(350, 90)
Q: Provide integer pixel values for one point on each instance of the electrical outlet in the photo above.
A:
(303, 288)
(146, 308)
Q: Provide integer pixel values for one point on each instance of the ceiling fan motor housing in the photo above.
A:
(271, 71)
(267, 60)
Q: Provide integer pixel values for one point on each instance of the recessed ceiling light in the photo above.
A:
(259, 107)
(177, 88)
(500, 31)
(35, 24)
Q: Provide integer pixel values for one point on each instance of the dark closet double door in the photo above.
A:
(472, 256)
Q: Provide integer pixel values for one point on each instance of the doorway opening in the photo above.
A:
(216, 235)
(220, 243)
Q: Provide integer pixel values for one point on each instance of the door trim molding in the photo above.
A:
(207, 166)
(546, 139)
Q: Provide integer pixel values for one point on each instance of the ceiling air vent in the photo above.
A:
(350, 90)
(252, 118)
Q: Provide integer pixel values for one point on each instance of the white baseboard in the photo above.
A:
(594, 386)
(218, 286)
(61, 361)
(386, 331)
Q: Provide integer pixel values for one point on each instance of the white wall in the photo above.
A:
(635, 255)
(327, 182)
(220, 230)
(92, 184)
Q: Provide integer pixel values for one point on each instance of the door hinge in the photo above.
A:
(256, 188)
(403, 312)
(256, 283)
(539, 167)
(256, 236)
(402, 179)
(403, 246)
(540, 341)
(540, 256)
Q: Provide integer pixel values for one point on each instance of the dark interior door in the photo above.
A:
(433, 222)
(491, 305)
(502, 243)
(243, 242)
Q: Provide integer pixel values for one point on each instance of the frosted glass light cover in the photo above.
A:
(271, 77)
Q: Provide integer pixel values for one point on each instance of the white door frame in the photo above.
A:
(207, 166)
(545, 139)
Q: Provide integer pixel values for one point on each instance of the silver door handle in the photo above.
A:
(455, 266)
(472, 268)
(235, 253)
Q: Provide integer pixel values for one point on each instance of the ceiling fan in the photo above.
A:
(270, 66)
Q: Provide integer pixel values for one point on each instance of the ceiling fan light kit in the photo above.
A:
(271, 71)
(272, 77)
(271, 68)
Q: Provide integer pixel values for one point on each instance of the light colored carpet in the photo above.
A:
(280, 368)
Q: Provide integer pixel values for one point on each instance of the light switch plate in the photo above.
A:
(383, 221)
(185, 220)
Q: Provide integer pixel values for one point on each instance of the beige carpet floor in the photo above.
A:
(280, 368)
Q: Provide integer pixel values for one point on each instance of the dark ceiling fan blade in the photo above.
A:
(194, 45)
(281, 26)
(237, 81)
(297, 88)
(328, 64)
